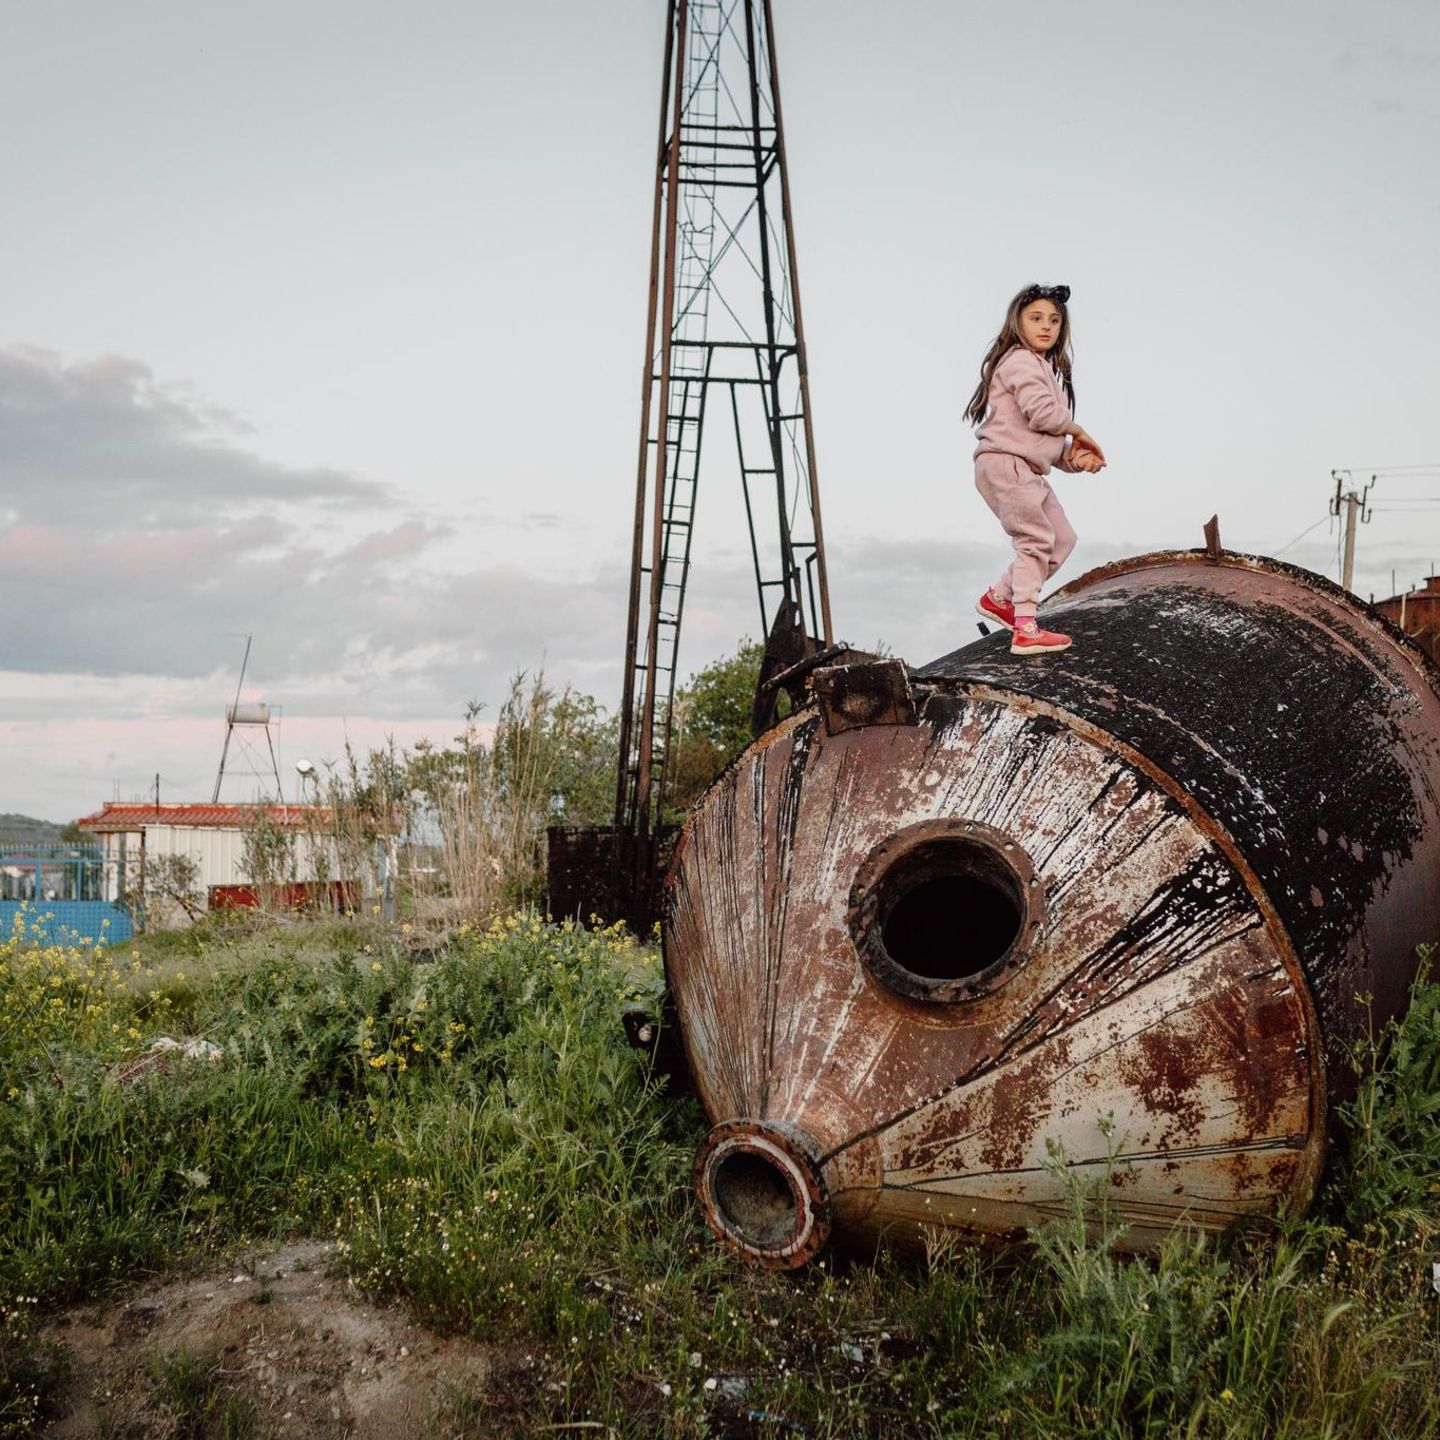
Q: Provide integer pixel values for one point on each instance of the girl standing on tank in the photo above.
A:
(1025, 408)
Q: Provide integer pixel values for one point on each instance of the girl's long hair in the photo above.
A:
(1009, 337)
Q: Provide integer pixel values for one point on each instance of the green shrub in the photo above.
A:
(32, 1375)
(551, 1154)
(1388, 1172)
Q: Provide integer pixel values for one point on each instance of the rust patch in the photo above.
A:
(1166, 1072)
(1019, 1109)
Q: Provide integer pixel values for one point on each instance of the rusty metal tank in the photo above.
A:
(1114, 905)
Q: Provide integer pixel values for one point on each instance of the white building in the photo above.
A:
(133, 836)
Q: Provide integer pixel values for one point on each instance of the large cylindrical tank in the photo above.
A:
(1116, 907)
(248, 712)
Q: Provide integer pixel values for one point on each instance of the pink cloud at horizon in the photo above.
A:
(37, 551)
(61, 769)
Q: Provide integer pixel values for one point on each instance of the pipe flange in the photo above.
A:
(761, 1192)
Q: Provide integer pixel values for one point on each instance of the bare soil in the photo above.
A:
(289, 1346)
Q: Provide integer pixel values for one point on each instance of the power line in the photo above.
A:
(1292, 543)
(1374, 470)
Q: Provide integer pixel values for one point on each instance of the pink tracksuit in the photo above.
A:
(1022, 436)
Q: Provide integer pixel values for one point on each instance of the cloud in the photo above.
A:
(105, 444)
(137, 534)
(139, 537)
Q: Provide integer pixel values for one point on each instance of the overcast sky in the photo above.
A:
(324, 321)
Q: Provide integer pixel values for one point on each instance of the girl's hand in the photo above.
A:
(1086, 455)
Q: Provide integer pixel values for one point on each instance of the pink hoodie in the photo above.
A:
(1028, 413)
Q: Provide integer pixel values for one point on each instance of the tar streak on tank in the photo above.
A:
(917, 943)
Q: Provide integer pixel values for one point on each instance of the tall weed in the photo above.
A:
(456, 833)
(1388, 1171)
(557, 1158)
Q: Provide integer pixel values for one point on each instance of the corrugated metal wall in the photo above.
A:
(220, 854)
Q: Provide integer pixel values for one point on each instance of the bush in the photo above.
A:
(1388, 1173)
(58, 1000)
(557, 1153)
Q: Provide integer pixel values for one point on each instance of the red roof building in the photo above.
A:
(1417, 613)
(113, 817)
(134, 836)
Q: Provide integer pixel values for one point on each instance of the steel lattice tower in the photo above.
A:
(723, 325)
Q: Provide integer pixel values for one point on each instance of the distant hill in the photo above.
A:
(28, 831)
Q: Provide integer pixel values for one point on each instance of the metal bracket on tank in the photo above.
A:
(1213, 547)
(877, 692)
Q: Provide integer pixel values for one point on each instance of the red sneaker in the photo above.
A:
(1030, 639)
(992, 607)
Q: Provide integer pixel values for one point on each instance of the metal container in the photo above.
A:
(947, 933)
(247, 712)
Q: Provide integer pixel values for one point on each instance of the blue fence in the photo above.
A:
(87, 922)
(57, 893)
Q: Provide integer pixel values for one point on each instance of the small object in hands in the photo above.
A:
(1030, 639)
(994, 607)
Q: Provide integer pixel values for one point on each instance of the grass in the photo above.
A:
(475, 1135)
(195, 1402)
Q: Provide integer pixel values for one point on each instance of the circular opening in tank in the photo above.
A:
(756, 1201)
(950, 926)
(938, 916)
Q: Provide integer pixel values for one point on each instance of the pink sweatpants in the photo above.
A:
(1027, 507)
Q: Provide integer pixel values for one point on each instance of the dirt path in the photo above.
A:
(276, 1345)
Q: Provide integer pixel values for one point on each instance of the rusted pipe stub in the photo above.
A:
(761, 1193)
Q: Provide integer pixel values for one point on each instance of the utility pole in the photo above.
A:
(1347, 574)
(1356, 509)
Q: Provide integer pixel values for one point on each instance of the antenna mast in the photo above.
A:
(723, 324)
